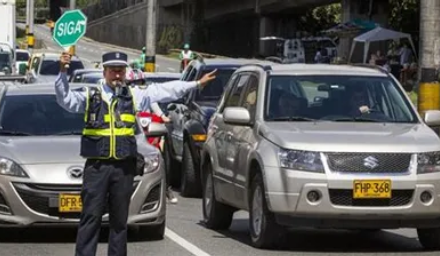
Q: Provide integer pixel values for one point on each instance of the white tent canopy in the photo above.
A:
(379, 34)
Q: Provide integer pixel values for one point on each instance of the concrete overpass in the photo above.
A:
(224, 27)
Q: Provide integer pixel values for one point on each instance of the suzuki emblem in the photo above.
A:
(371, 162)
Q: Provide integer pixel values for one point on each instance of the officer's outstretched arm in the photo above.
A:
(72, 101)
(165, 92)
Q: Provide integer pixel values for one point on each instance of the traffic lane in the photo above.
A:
(91, 51)
(185, 219)
(61, 242)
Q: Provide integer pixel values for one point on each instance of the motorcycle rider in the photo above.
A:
(186, 55)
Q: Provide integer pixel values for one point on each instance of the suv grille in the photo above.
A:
(369, 162)
(344, 197)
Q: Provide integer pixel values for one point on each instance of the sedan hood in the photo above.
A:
(41, 150)
(351, 137)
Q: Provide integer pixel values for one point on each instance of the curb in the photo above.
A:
(87, 39)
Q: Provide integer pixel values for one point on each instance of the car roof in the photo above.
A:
(87, 70)
(39, 88)
(162, 74)
(56, 56)
(322, 69)
(223, 62)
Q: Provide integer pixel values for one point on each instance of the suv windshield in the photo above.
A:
(337, 98)
(52, 67)
(214, 89)
(38, 115)
(22, 56)
(5, 60)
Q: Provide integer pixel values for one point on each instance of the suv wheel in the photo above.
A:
(264, 230)
(216, 215)
(429, 238)
(190, 185)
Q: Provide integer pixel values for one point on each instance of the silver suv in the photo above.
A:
(323, 146)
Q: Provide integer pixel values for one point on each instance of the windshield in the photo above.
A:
(336, 98)
(52, 67)
(22, 56)
(214, 89)
(4, 60)
(38, 115)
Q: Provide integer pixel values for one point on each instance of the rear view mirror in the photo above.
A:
(432, 118)
(171, 107)
(236, 116)
(157, 130)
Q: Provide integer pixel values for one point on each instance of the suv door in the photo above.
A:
(223, 141)
(178, 118)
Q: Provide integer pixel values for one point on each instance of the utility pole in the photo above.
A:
(27, 16)
(30, 35)
(429, 51)
(150, 56)
(72, 5)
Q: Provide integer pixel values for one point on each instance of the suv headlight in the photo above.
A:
(307, 161)
(151, 163)
(428, 162)
(10, 168)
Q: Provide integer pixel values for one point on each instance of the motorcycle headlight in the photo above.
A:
(10, 168)
(428, 162)
(151, 163)
(307, 161)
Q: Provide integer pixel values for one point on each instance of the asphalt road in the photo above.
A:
(186, 235)
(90, 51)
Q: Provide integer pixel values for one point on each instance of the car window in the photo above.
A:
(235, 95)
(150, 80)
(22, 56)
(228, 88)
(337, 98)
(186, 72)
(92, 79)
(52, 67)
(214, 89)
(39, 115)
(250, 97)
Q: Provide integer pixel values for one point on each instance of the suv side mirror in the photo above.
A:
(432, 118)
(236, 116)
(157, 130)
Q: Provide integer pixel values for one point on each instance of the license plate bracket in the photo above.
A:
(372, 189)
(69, 203)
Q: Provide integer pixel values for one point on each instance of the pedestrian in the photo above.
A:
(111, 160)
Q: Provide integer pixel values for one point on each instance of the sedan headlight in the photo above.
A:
(9, 167)
(428, 162)
(151, 163)
(307, 161)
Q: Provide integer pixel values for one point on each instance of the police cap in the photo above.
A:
(118, 59)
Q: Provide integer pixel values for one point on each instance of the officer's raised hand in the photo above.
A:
(206, 78)
(65, 61)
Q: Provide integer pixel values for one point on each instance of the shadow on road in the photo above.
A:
(331, 240)
(55, 235)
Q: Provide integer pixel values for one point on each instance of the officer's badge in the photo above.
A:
(145, 121)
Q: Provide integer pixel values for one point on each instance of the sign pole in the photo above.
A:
(150, 54)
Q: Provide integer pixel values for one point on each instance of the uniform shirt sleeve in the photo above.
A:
(72, 101)
(161, 92)
(155, 108)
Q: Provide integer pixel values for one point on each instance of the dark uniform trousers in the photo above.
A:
(106, 183)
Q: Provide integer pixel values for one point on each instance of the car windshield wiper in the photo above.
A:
(14, 133)
(291, 118)
(68, 133)
(356, 119)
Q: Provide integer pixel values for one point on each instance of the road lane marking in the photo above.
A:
(184, 243)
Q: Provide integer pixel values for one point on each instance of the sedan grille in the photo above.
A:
(38, 197)
(369, 162)
(344, 197)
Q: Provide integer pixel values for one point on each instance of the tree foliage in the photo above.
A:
(319, 18)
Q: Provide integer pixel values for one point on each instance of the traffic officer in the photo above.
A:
(109, 168)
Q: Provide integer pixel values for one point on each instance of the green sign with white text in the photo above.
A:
(69, 28)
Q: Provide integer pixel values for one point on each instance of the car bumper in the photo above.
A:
(27, 203)
(337, 208)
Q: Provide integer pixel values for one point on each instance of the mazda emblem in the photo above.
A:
(75, 173)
